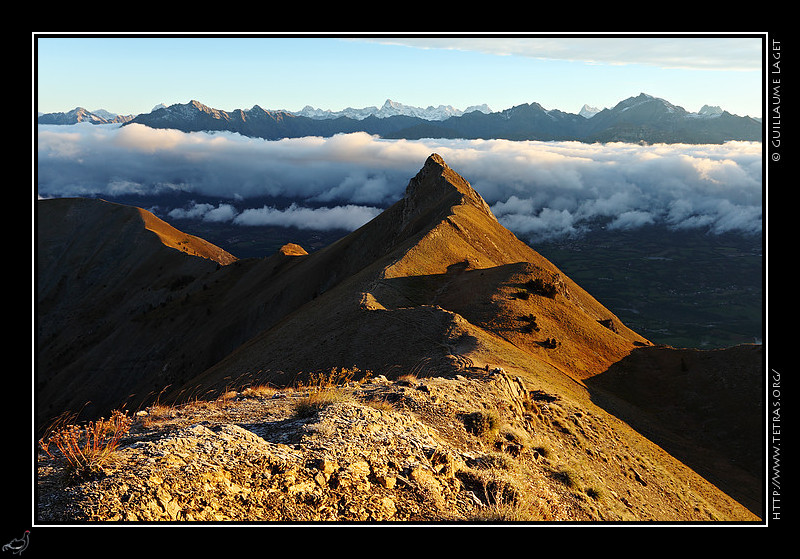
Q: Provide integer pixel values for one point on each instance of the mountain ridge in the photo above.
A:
(661, 122)
(79, 114)
(413, 250)
(443, 236)
(391, 108)
(433, 284)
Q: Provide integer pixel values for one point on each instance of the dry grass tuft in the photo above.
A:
(157, 413)
(311, 404)
(260, 391)
(381, 404)
(325, 389)
(503, 499)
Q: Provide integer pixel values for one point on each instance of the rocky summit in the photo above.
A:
(427, 367)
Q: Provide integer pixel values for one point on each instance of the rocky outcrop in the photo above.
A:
(483, 446)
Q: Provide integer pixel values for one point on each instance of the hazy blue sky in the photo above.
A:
(131, 75)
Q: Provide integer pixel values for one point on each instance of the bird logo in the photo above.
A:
(18, 545)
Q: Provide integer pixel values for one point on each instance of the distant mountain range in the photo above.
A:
(392, 108)
(643, 118)
(79, 114)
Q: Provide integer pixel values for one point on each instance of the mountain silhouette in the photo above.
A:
(643, 118)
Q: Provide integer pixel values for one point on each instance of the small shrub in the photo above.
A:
(608, 323)
(482, 423)
(594, 493)
(539, 287)
(542, 451)
(514, 440)
(542, 396)
(530, 324)
(85, 450)
(565, 476)
(549, 343)
(531, 407)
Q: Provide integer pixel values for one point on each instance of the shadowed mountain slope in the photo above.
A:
(99, 268)
(704, 407)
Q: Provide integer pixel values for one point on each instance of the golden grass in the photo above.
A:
(504, 500)
(156, 413)
(311, 404)
(260, 391)
(326, 388)
(381, 404)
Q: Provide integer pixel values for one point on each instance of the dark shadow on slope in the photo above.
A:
(703, 407)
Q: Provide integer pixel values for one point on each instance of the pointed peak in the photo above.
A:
(435, 179)
(437, 183)
(435, 159)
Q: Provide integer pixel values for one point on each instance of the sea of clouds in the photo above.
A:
(538, 190)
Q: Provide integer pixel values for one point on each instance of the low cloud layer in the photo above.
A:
(349, 217)
(538, 190)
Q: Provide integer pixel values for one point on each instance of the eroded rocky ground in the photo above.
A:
(482, 446)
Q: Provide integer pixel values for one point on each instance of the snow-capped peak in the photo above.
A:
(588, 112)
(708, 110)
(391, 108)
